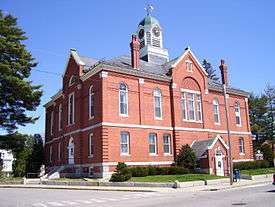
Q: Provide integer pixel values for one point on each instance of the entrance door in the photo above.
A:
(219, 164)
(71, 151)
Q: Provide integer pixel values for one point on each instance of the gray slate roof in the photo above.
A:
(123, 64)
(201, 146)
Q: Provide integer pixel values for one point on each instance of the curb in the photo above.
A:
(76, 188)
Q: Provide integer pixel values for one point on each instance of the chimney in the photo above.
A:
(135, 46)
(224, 74)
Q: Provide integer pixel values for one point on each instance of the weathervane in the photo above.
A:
(149, 9)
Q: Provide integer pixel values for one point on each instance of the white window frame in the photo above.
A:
(241, 146)
(153, 143)
(192, 95)
(199, 107)
(157, 94)
(71, 80)
(91, 96)
(91, 145)
(51, 122)
(184, 106)
(216, 113)
(60, 117)
(237, 107)
(167, 144)
(125, 143)
(189, 66)
(59, 150)
(125, 91)
(51, 153)
(71, 122)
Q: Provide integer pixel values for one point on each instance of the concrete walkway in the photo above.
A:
(211, 187)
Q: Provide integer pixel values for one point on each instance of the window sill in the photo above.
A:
(125, 155)
(193, 121)
(218, 124)
(167, 154)
(238, 125)
(123, 115)
(69, 125)
(242, 154)
(153, 154)
(90, 156)
(156, 118)
(91, 118)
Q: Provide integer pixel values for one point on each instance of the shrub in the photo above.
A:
(139, 171)
(267, 153)
(186, 157)
(121, 174)
(251, 165)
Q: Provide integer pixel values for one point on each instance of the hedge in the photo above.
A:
(144, 171)
(251, 165)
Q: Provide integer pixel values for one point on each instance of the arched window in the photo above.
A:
(123, 99)
(91, 103)
(71, 109)
(72, 80)
(216, 111)
(157, 104)
(238, 113)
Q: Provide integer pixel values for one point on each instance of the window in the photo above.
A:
(91, 103)
(51, 153)
(167, 144)
(59, 150)
(123, 99)
(241, 145)
(157, 104)
(71, 109)
(72, 80)
(191, 106)
(51, 124)
(216, 111)
(238, 113)
(91, 145)
(152, 143)
(189, 66)
(124, 143)
(60, 117)
(199, 111)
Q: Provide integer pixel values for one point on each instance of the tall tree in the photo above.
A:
(210, 70)
(17, 94)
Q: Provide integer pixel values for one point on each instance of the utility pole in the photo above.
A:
(223, 69)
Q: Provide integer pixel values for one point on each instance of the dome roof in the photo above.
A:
(148, 20)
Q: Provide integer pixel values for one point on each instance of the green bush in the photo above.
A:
(251, 165)
(121, 174)
(186, 157)
(139, 171)
(267, 153)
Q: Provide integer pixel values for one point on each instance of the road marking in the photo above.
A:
(55, 204)
(39, 205)
(85, 202)
(97, 200)
(69, 203)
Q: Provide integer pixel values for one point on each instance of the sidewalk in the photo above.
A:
(211, 187)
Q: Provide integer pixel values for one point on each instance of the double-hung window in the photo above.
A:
(59, 150)
(167, 144)
(238, 113)
(241, 145)
(123, 99)
(152, 143)
(91, 145)
(191, 106)
(51, 124)
(124, 143)
(157, 104)
(91, 103)
(216, 111)
(71, 109)
(51, 153)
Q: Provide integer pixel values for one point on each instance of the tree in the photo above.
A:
(210, 70)
(17, 94)
(186, 157)
(267, 153)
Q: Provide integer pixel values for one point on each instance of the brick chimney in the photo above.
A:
(135, 46)
(224, 74)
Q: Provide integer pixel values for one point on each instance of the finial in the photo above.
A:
(149, 9)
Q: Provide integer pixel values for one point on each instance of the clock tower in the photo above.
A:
(151, 42)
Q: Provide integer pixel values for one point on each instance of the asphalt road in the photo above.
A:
(258, 196)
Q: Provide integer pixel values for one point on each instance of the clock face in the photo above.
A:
(156, 31)
(141, 33)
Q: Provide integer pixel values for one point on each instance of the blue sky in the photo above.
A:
(241, 32)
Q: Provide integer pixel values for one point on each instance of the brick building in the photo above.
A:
(140, 109)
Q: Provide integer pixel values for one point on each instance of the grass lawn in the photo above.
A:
(172, 178)
(261, 171)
